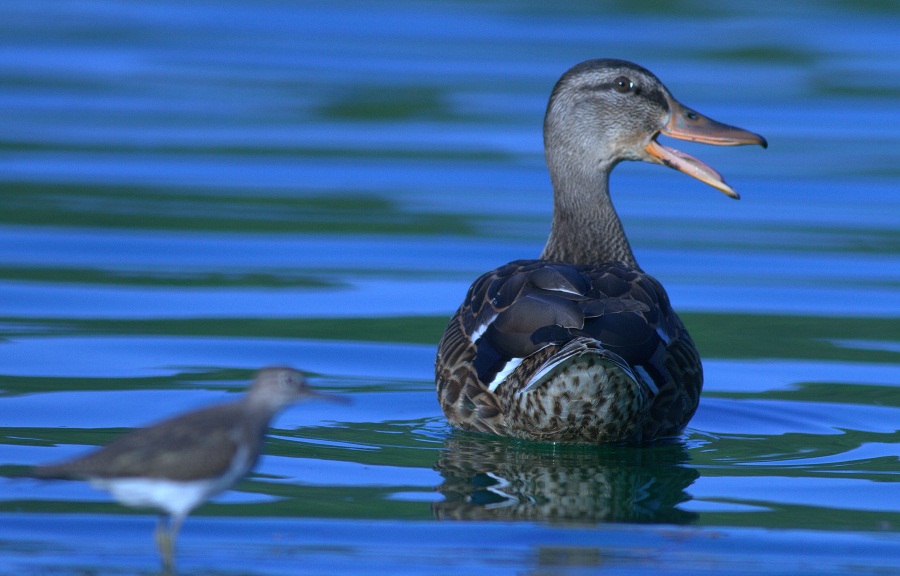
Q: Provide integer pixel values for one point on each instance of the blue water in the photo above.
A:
(190, 191)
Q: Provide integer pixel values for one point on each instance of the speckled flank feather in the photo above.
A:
(582, 345)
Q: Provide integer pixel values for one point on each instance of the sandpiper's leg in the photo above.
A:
(175, 522)
(165, 541)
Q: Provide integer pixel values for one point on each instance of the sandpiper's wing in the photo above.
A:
(198, 444)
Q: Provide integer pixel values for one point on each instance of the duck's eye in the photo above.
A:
(623, 84)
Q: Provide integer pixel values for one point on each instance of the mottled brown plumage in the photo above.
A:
(582, 345)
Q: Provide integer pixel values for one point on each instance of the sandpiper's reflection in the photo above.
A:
(498, 478)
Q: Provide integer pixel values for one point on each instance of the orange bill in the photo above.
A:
(685, 124)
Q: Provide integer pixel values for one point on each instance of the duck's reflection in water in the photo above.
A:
(487, 477)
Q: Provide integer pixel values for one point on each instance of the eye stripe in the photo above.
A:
(606, 86)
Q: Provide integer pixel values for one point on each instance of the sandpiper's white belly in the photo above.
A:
(177, 497)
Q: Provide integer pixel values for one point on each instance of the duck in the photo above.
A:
(581, 345)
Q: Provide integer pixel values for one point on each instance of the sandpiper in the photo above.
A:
(179, 463)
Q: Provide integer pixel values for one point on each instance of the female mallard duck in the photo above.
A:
(582, 345)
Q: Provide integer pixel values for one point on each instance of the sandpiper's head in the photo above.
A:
(279, 386)
(604, 111)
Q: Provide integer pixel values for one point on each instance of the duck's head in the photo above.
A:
(604, 111)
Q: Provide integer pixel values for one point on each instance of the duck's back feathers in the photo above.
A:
(555, 351)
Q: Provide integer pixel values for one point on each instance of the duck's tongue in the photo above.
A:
(685, 124)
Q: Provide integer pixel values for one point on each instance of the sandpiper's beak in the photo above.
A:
(316, 395)
(685, 124)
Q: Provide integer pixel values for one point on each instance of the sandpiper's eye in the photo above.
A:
(623, 84)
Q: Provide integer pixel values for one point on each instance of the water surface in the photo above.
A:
(191, 192)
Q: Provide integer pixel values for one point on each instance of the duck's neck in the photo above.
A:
(586, 229)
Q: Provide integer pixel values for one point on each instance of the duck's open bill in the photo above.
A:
(685, 124)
